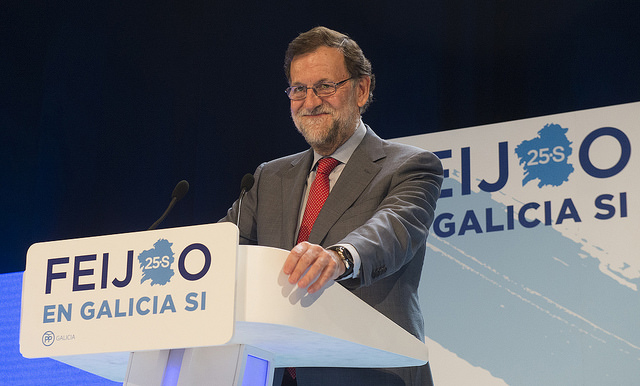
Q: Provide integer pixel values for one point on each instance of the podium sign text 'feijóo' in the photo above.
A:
(136, 291)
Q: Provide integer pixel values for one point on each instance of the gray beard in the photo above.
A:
(327, 142)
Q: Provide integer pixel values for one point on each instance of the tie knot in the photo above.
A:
(326, 165)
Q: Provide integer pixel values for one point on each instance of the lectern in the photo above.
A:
(190, 306)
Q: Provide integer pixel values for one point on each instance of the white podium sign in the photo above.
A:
(109, 293)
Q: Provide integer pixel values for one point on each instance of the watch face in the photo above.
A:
(347, 260)
(346, 256)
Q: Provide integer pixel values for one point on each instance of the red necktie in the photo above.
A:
(317, 196)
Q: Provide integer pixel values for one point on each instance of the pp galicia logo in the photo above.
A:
(48, 338)
(545, 157)
(156, 263)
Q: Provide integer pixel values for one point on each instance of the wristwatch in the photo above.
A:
(347, 260)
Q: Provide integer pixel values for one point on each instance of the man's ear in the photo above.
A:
(363, 86)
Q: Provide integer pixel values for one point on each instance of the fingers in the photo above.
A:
(292, 258)
(324, 276)
(310, 264)
(304, 256)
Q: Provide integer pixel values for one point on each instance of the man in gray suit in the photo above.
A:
(370, 234)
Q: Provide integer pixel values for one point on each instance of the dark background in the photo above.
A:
(105, 106)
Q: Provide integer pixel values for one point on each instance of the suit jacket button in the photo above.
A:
(378, 271)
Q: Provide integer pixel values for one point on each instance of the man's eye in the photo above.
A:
(324, 87)
(299, 89)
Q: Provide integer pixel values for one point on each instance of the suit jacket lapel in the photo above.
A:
(293, 183)
(355, 177)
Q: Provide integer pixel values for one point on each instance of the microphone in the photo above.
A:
(245, 186)
(178, 192)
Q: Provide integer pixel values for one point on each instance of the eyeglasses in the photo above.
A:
(323, 89)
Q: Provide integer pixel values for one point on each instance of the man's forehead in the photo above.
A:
(324, 63)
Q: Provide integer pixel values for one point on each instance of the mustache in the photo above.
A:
(316, 110)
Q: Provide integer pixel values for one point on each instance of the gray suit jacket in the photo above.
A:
(383, 204)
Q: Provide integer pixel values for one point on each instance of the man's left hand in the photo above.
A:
(311, 264)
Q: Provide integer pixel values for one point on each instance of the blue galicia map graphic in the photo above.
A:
(156, 263)
(546, 157)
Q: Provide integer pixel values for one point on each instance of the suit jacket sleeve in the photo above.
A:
(397, 230)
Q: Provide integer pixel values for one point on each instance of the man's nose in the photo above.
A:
(312, 100)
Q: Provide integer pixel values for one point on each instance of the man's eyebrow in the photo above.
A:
(323, 80)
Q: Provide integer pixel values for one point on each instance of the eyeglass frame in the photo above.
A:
(307, 88)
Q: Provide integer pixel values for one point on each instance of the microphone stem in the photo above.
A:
(242, 193)
(166, 212)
